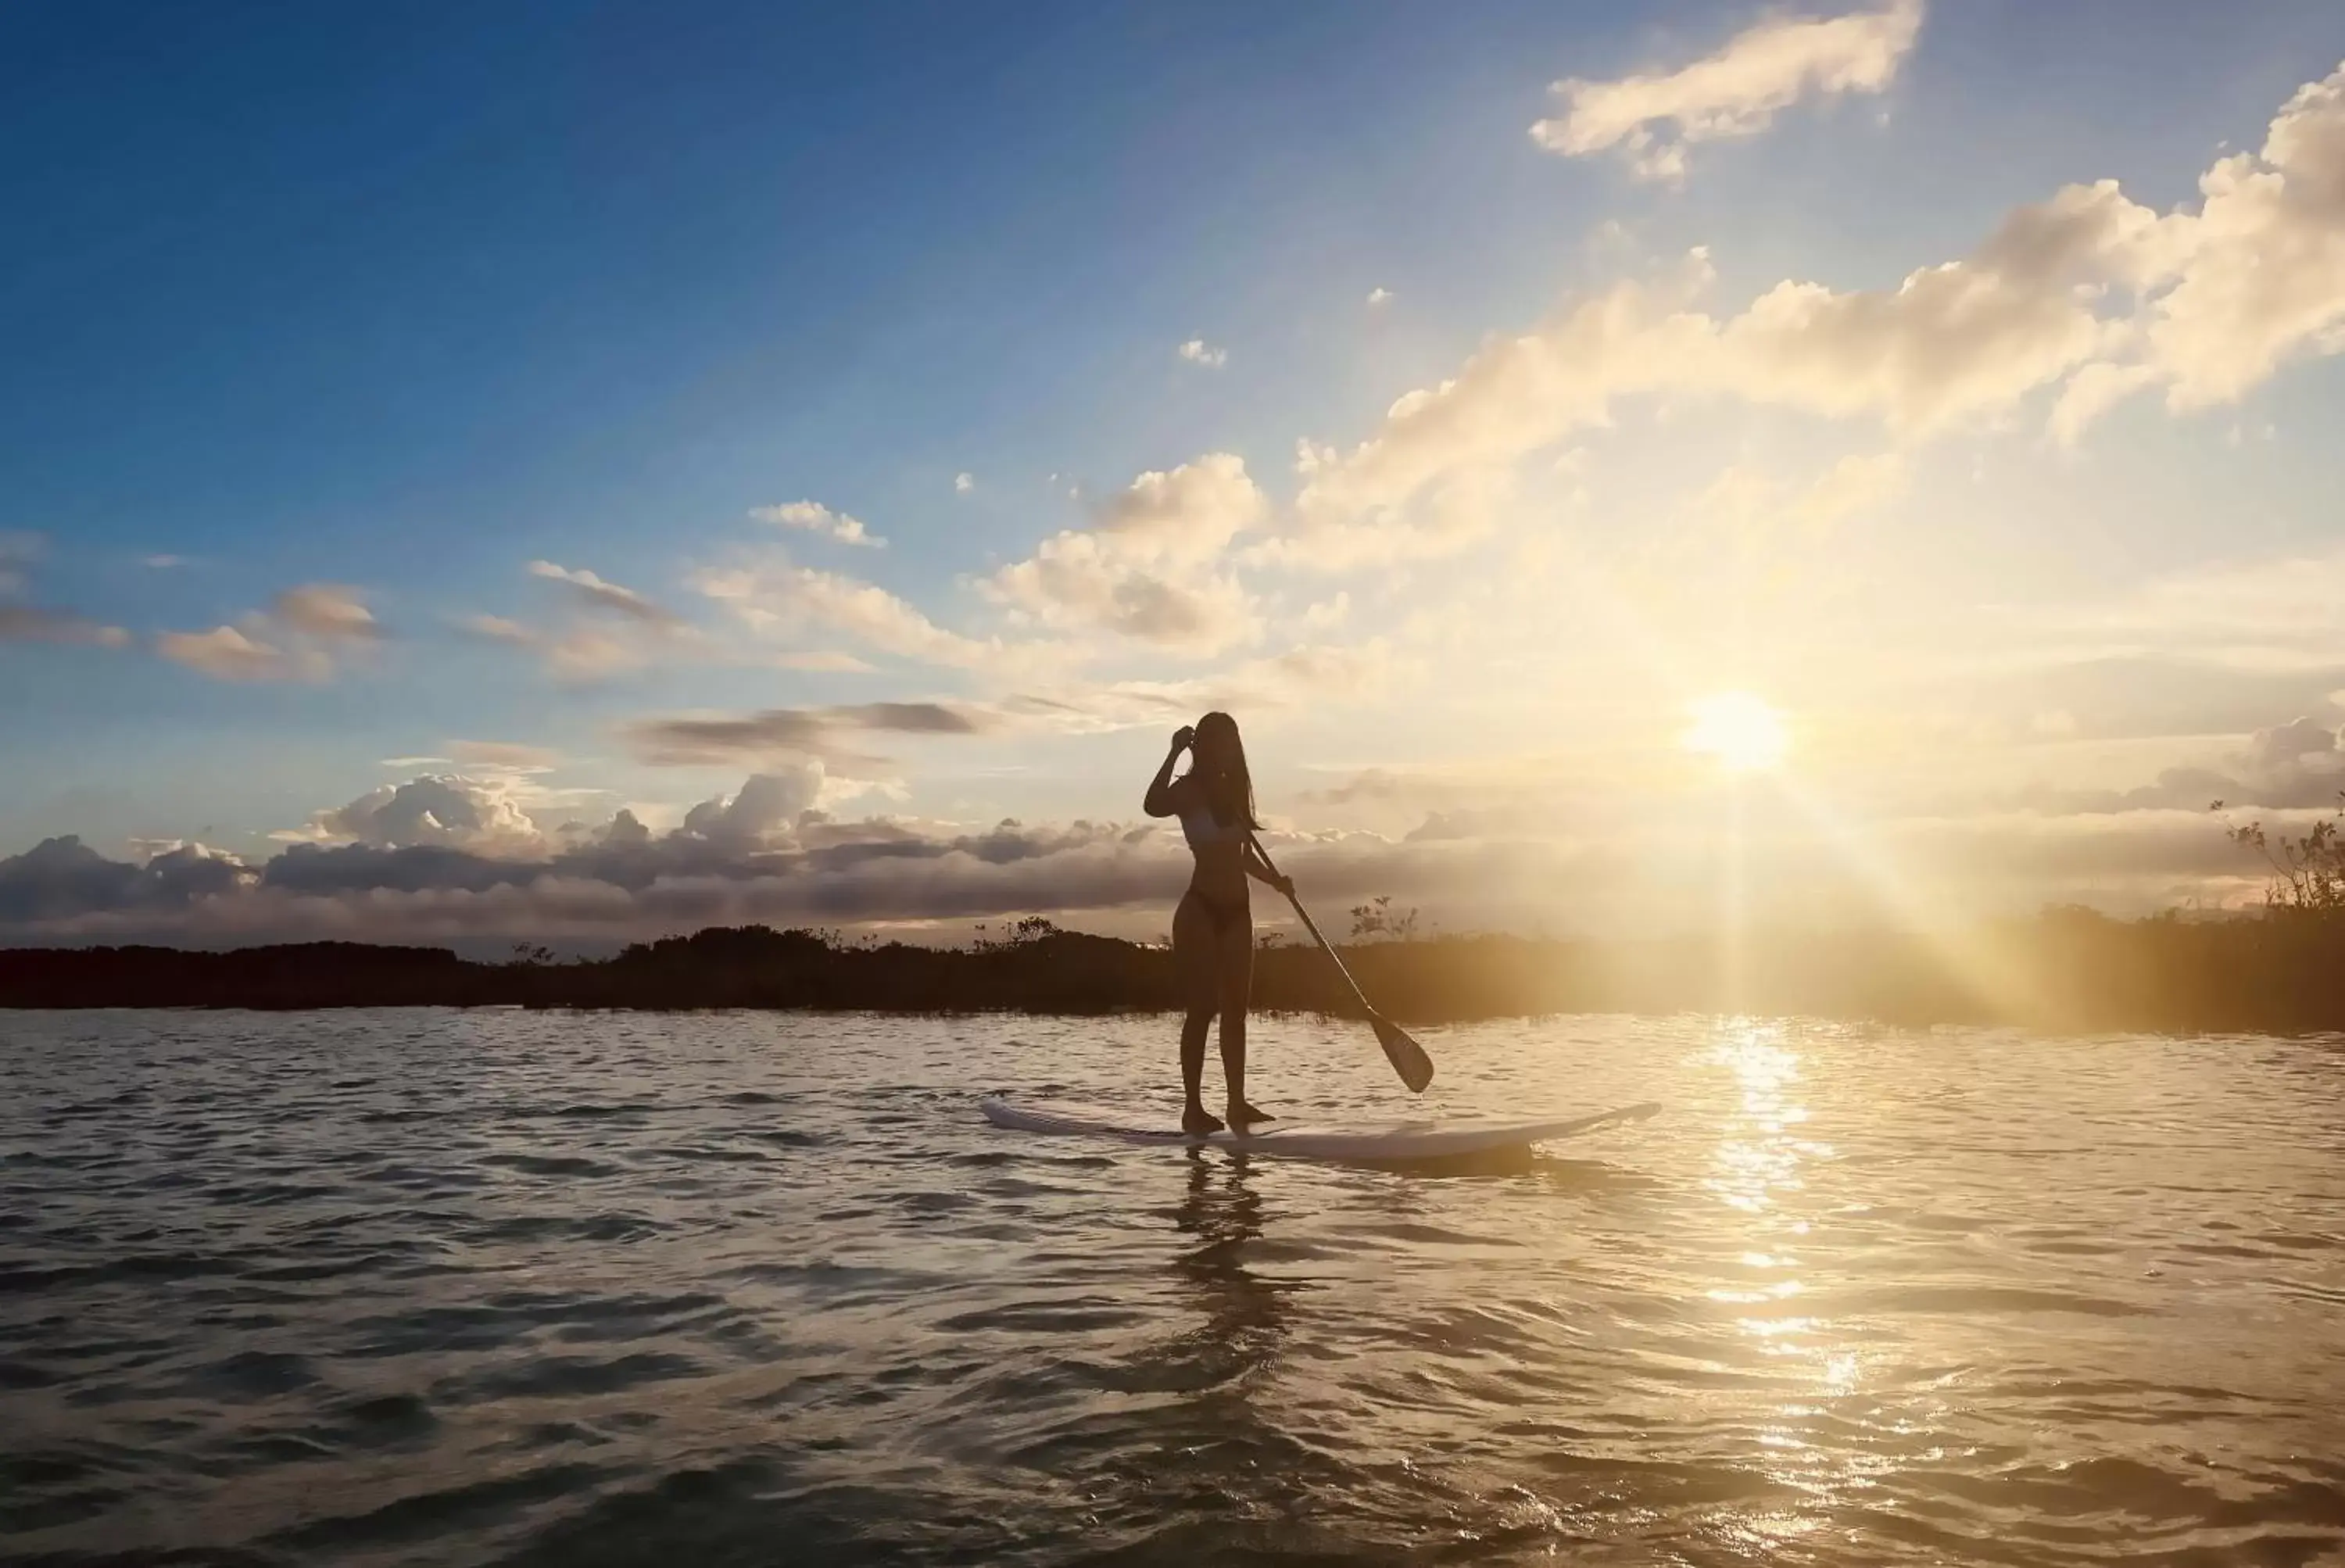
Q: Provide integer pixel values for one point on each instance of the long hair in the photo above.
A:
(1220, 769)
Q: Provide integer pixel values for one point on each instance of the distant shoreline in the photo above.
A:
(2067, 970)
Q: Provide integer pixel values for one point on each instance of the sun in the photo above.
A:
(1742, 731)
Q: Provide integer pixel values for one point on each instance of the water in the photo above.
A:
(441, 1288)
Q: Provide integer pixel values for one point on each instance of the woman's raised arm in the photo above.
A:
(1160, 802)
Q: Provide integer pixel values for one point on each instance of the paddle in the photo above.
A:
(1407, 1057)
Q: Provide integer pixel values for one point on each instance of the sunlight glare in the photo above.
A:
(1743, 732)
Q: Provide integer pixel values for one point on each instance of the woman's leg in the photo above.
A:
(1196, 961)
(1233, 953)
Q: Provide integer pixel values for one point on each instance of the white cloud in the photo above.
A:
(1735, 92)
(1380, 296)
(1145, 570)
(963, 484)
(483, 815)
(599, 593)
(497, 628)
(1197, 352)
(163, 563)
(327, 611)
(777, 598)
(224, 653)
(2263, 274)
(2067, 287)
(300, 636)
(814, 517)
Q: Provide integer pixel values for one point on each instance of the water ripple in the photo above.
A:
(505, 1288)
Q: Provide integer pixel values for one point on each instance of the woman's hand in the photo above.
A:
(1284, 884)
(1184, 738)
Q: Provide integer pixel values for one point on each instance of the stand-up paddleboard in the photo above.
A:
(1391, 1142)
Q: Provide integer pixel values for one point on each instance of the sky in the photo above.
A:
(557, 474)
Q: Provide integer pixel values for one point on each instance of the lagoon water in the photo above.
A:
(497, 1288)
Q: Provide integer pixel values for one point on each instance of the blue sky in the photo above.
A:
(398, 303)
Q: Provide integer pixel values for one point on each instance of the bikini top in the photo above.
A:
(1200, 827)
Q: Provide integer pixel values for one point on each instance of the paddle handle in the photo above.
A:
(1317, 935)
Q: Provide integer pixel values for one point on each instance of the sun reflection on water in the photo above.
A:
(1758, 1171)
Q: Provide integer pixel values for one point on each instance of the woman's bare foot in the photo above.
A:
(1243, 1116)
(1198, 1122)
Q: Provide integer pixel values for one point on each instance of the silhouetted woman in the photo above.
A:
(1212, 930)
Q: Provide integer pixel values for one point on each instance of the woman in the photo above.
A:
(1212, 930)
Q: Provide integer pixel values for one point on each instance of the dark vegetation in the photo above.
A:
(2067, 969)
(2282, 970)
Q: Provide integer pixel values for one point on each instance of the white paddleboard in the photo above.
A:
(1390, 1142)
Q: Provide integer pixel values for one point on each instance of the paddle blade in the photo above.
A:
(1407, 1057)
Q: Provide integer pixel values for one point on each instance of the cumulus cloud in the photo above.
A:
(450, 810)
(1146, 569)
(814, 517)
(1198, 351)
(1736, 92)
(765, 853)
(59, 878)
(600, 594)
(964, 482)
(1380, 296)
(2294, 767)
(2088, 292)
(2262, 276)
(303, 636)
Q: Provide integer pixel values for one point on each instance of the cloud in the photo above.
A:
(22, 622)
(1145, 570)
(1303, 675)
(301, 636)
(824, 661)
(2088, 291)
(61, 877)
(1735, 92)
(32, 624)
(1197, 352)
(813, 517)
(963, 484)
(704, 740)
(2263, 273)
(2273, 614)
(327, 612)
(163, 563)
(764, 853)
(505, 754)
(598, 593)
(224, 653)
(483, 815)
(777, 598)
(1380, 296)
(498, 629)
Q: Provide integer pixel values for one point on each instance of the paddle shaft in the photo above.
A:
(1313, 927)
